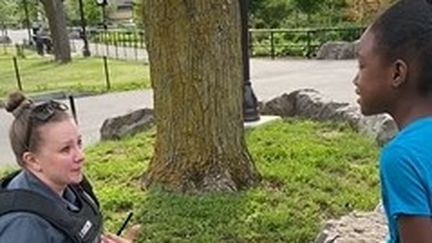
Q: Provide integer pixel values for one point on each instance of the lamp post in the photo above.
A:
(250, 111)
(102, 4)
(27, 21)
(86, 51)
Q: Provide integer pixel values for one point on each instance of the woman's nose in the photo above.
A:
(79, 156)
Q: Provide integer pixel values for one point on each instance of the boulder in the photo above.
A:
(370, 227)
(131, 123)
(4, 39)
(337, 50)
(311, 104)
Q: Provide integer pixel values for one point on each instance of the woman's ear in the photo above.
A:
(400, 73)
(31, 162)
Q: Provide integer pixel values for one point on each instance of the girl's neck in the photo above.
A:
(405, 112)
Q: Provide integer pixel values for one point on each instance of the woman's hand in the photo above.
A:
(130, 235)
(112, 238)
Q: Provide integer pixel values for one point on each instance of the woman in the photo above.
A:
(48, 200)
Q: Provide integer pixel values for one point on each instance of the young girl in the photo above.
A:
(47, 201)
(395, 76)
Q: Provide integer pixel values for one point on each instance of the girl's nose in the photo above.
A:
(355, 80)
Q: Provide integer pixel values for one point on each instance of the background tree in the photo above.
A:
(92, 11)
(54, 10)
(269, 13)
(196, 72)
(12, 12)
(6, 8)
(137, 13)
(307, 7)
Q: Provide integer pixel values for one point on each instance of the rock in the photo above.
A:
(4, 39)
(131, 123)
(310, 104)
(280, 106)
(382, 127)
(337, 50)
(355, 227)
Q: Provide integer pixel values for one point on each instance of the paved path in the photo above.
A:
(269, 79)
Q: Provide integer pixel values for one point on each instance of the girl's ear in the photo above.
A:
(400, 73)
(31, 162)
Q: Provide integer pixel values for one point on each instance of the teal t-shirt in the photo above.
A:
(406, 174)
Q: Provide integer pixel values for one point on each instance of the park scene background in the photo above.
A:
(310, 170)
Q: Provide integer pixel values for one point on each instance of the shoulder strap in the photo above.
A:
(88, 188)
(27, 201)
(79, 227)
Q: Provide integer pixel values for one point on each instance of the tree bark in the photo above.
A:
(54, 10)
(196, 70)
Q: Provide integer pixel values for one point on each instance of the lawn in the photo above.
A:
(311, 172)
(39, 74)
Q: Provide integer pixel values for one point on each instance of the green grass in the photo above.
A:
(39, 74)
(311, 172)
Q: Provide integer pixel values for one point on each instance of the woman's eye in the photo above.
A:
(65, 149)
(79, 143)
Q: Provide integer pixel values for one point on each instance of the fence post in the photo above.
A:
(272, 45)
(308, 51)
(116, 49)
(72, 106)
(124, 46)
(17, 73)
(19, 51)
(136, 46)
(106, 72)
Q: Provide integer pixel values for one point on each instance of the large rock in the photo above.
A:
(4, 39)
(337, 50)
(381, 127)
(309, 103)
(131, 123)
(283, 106)
(370, 227)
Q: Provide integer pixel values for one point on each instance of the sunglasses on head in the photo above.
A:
(42, 112)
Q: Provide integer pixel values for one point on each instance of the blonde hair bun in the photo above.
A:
(15, 102)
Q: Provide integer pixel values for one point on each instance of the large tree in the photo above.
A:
(55, 13)
(196, 70)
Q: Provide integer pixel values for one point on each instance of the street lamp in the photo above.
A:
(250, 111)
(86, 51)
(102, 4)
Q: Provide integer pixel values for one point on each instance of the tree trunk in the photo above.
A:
(196, 70)
(55, 13)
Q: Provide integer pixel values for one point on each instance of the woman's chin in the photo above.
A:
(76, 178)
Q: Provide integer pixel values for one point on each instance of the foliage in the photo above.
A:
(82, 74)
(12, 11)
(298, 42)
(312, 13)
(137, 15)
(310, 173)
(92, 12)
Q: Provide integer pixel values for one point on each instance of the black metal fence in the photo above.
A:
(297, 42)
(262, 42)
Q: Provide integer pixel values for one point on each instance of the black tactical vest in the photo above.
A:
(83, 226)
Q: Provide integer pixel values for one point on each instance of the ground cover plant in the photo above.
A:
(310, 172)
